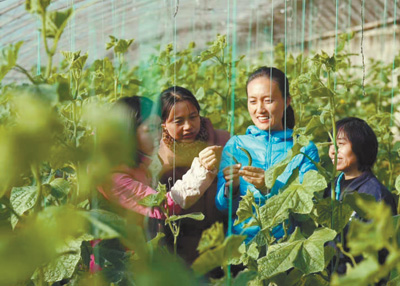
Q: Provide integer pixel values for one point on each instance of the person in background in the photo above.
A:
(131, 183)
(185, 135)
(357, 149)
(267, 142)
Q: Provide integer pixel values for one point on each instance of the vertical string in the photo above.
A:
(249, 38)
(349, 19)
(285, 91)
(393, 65)
(336, 39)
(72, 28)
(123, 20)
(303, 27)
(362, 47)
(378, 107)
(38, 62)
(310, 23)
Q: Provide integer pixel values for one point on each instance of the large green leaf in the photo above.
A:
(296, 198)
(56, 22)
(22, 199)
(211, 238)
(64, 265)
(104, 224)
(59, 188)
(332, 214)
(8, 58)
(153, 200)
(374, 235)
(245, 209)
(306, 255)
(365, 273)
(218, 256)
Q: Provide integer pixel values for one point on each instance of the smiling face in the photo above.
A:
(266, 104)
(346, 159)
(148, 134)
(183, 122)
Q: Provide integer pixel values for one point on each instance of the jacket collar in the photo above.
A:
(360, 180)
(281, 135)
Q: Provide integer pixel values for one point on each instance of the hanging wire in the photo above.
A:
(72, 28)
(38, 62)
(349, 19)
(303, 28)
(362, 46)
(394, 63)
(336, 40)
(310, 23)
(378, 107)
(284, 116)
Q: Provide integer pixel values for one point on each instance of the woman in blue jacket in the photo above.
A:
(268, 142)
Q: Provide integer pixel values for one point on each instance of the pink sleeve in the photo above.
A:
(127, 192)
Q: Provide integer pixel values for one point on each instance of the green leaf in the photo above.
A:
(22, 199)
(245, 209)
(59, 188)
(155, 200)
(273, 173)
(64, 265)
(211, 237)
(296, 198)
(154, 243)
(104, 224)
(218, 256)
(120, 45)
(56, 22)
(195, 216)
(365, 273)
(397, 185)
(36, 6)
(375, 234)
(307, 255)
(200, 93)
(8, 58)
(75, 60)
(326, 212)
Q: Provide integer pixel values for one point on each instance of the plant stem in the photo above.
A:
(36, 174)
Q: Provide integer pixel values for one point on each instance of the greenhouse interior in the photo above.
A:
(202, 142)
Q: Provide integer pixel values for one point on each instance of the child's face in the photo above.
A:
(346, 159)
(148, 134)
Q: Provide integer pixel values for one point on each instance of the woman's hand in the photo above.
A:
(253, 175)
(231, 175)
(210, 157)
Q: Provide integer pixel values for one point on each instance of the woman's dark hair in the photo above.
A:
(280, 78)
(171, 96)
(363, 140)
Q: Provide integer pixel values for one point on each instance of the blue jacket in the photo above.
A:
(266, 148)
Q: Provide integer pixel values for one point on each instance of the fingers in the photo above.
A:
(253, 175)
(231, 175)
(210, 157)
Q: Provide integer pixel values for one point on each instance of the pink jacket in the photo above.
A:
(129, 186)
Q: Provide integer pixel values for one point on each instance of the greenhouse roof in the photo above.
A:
(155, 23)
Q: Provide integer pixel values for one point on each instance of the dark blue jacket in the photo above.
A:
(367, 183)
